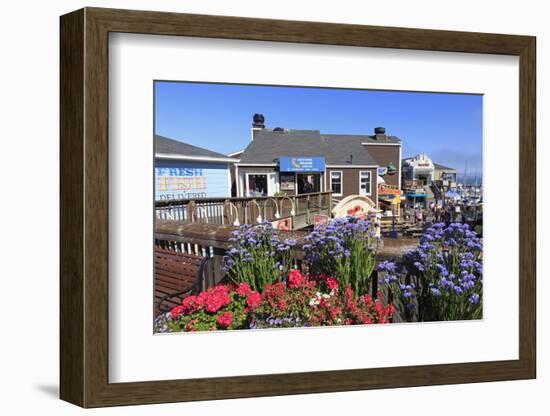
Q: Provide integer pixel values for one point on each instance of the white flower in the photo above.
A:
(313, 301)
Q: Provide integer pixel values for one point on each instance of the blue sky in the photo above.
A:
(448, 127)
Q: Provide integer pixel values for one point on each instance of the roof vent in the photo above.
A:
(258, 121)
(380, 133)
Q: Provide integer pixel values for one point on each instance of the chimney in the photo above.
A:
(257, 124)
(258, 121)
(380, 133)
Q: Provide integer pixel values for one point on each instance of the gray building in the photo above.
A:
(288, 161)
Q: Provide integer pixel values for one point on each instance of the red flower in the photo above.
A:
(367, 320)
(348, 292)
(368, 300)
(220, 289)
(189, 304)
(216, 300)
(176, 311)
(202, 298)
(253, 300)
(295, 279)
(225, 319)
(282, 305)
(243, 289)
(332, 283)
(334, 313)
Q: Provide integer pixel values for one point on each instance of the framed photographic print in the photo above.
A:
(255, 207)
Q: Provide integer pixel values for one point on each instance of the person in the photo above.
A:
(448, 216)
(308, 186)
(419, 215)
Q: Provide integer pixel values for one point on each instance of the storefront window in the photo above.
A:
(257, 185)
(336, 182)
(365, 182)
(308, 183)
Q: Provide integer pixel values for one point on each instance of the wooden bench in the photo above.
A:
(177, 275)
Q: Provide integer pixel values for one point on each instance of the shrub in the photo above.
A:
(257, 256)
(218, 308)
(345, 248)
(300, 302)
(443, 278)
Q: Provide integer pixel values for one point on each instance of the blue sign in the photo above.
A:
(301, 164)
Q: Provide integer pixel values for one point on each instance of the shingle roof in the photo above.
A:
(269, 145)
(164, 145)
(365, 138)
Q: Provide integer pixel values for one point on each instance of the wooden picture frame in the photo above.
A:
(84, 207)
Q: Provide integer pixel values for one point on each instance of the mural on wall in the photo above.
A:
(188, 180)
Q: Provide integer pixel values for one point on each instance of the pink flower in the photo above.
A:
(295, 279)
(217, 300)
(220, 289)
(332, 283)
(225, 319)
(243, 289)
(253, 300)
(176, 311)
(202, 298)
(189, 304)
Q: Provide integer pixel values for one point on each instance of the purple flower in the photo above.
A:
(435, 291)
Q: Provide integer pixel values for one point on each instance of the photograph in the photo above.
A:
(297, 207)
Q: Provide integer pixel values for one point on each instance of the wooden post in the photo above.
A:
(191, 206)
(227, 214)
(218, 264)
(253, 211)
(307, 210)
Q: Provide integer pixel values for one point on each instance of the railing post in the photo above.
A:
(253, 211)
(191, 206)
(218, 264)
(226, 219)
(307, 210)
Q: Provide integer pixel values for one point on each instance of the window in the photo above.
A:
(308, 183)
(257, 185)
(336, 182)
(261, 184)
(365, 182)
